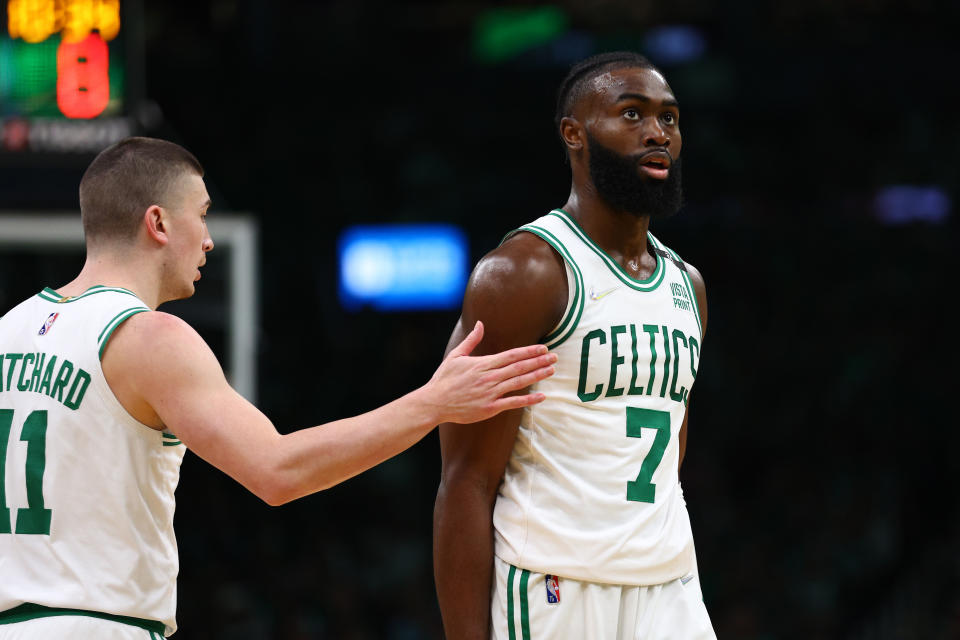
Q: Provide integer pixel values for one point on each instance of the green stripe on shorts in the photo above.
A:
(510, 627)
(524, 605)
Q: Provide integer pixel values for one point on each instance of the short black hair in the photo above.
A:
(573, 87)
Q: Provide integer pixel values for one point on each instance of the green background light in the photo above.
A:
(500, 34)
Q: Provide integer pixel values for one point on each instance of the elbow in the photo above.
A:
(275, 493)
(276, 480)
(274, 500)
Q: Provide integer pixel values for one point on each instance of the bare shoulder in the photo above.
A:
(157, 345)
(522, 261)
(518, 290)
(156, 333)
(153, 360)
(697, 278)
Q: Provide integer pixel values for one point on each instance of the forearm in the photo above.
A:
(313, 459)
(234, 436)
(463, 560)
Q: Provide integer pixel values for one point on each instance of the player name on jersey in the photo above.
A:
(676, 348)
(51, 375)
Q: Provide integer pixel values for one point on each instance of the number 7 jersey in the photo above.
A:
(86, 491)
(591, 489)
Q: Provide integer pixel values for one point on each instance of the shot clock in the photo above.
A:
(65, 75)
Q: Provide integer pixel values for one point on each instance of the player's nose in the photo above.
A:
(654, 135)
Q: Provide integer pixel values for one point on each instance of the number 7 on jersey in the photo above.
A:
(642, 489)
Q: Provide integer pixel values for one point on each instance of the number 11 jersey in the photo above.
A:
(86, 491)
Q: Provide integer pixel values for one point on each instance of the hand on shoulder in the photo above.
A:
(469, 389)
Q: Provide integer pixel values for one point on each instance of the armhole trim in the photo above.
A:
(575, 308)
(108, 330)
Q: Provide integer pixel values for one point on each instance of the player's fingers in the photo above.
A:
(517, 402)
(525, 380)
(468, 344)
(523, 366)
(502, 359)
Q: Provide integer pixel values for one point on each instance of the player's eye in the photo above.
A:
(668, 118)
(631, 114)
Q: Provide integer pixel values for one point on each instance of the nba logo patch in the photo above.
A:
(553, 589)
(49, 323)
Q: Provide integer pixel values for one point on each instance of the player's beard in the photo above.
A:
(619, 182)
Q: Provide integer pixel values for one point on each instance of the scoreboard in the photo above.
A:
(70, 75)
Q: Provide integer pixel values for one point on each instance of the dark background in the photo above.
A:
(820, 471)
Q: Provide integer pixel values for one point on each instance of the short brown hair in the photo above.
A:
(124, 180)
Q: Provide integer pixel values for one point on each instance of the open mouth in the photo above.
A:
(655, 164)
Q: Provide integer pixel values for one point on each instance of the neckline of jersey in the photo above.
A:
(52, 295)
(646, 285)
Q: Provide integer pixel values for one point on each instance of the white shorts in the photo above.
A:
(74, 627)
(524, 605)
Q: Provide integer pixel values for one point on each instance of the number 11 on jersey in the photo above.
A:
(34, 518)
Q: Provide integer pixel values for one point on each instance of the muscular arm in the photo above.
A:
(166, 376)
(700, 290)
(519, 291)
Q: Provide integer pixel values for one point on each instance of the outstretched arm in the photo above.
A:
(519, 291)
(167, 377)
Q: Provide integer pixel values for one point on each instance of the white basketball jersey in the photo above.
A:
(591, 490)
(86, 491)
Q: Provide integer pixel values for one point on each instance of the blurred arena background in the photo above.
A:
(820, 146)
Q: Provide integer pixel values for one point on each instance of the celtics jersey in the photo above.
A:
(86, 491)
(591, 490)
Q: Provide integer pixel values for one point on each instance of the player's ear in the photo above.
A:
(571, 131)
(155, 223)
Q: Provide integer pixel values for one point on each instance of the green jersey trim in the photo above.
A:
(52, 296)
(108, 330)
(556, 337)
(29, 611)
(170, 440)
(690, 290)
(649, 284)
